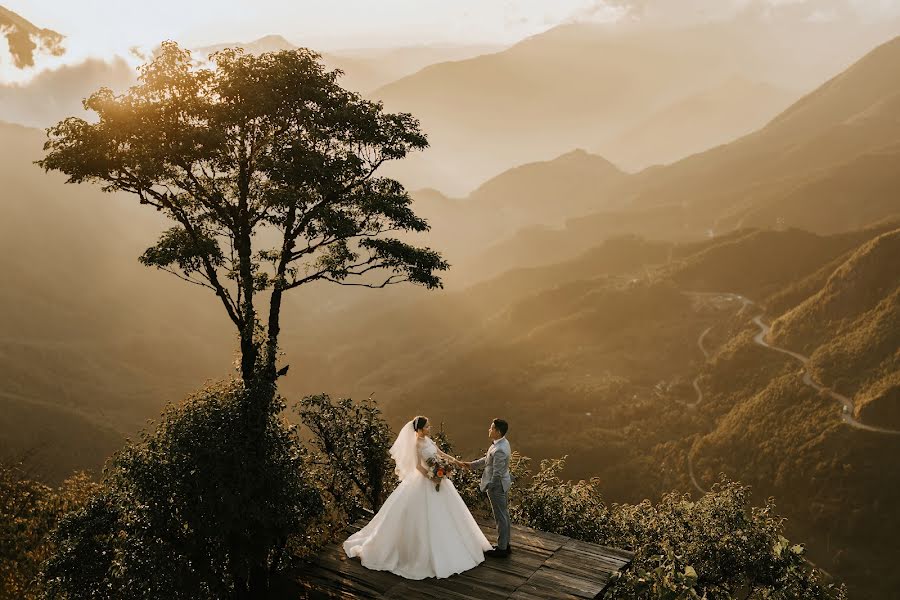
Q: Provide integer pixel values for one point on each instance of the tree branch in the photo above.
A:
(200, 194)
(389, 281)
(188, 279)
(166, 200)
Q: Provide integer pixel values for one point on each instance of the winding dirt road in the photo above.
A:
(847, 406)
(696, 381)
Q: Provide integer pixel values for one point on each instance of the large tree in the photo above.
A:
(250, 148)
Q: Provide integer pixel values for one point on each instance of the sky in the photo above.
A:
(325, 24)
(104, 28)
(333, 24)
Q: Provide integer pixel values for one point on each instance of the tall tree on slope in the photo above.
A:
(256, 145)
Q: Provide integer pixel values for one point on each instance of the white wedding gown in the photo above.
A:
(419, 532)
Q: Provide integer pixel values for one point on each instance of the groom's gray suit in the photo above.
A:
(495, 480)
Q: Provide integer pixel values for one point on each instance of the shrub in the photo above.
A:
(29, 511)
(574, 510)
(349, 444)
(193, 510)
(716, 547)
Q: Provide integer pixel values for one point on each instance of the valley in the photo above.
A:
(608, 209)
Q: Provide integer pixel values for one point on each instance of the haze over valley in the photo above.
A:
(673, 246)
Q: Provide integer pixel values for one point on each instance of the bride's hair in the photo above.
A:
(419, 422)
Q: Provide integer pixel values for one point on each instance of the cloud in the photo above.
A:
(687, 11)
(53, 94)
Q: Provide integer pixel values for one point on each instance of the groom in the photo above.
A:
(496, 481)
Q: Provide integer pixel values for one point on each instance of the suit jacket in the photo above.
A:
(496, 466)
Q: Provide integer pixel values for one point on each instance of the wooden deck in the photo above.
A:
(542, 566)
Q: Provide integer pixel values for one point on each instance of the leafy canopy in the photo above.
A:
(192, 508)
(253, 143)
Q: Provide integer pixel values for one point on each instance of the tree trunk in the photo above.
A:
(258, 587)
(274, 325)
(244, 246)
(274, 328)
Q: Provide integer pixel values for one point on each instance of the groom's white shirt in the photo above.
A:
(496, 465)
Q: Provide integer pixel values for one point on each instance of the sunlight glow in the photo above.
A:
(107, 28)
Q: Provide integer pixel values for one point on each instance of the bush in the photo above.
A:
(29, 511)
(349, 445)
(194, 510)
(716, 547)
(575, 510)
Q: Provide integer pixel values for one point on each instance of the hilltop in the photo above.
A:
(25, 38)
(587, 85)
(825, 165)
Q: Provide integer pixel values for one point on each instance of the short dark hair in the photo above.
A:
(501, 425)
(419, 423)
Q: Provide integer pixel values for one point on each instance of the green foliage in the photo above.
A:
(575, 510)
(29, 511)
(258, 147)
(350, 447)
(177, 246)
(192, 509)
(257, 142)
(717, 547)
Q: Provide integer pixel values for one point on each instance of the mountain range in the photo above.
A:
(608, 315)
(366, 69)
(824, 164)
(52, 94)
(592, 86)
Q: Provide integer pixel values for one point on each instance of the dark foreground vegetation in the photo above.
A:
(192, 507)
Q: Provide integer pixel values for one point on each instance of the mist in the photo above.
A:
(672, 230)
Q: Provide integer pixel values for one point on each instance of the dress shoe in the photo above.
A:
(497, 553)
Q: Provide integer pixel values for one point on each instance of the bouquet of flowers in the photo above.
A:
(437, 470)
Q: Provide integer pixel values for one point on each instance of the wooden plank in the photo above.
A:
(518, 563)
(324, 580)
(544, 541)
(581, 587)
(526, 536)
(534, 593)
(599, 550)
(542, 566)
(466, 587)
(325, 585)
(494, 577)
(349, 573)
(405, 591)
(571, 562)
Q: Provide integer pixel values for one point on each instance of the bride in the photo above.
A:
(419, 532)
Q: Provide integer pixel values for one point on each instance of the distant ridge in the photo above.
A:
(703, 120)
(584, 85)
(364, 68)
(267, 43)
(555, 189)
(537, 194)
(846, 95)
(827, 165)
(24, 38)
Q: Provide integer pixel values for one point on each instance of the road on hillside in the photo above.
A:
(696, 381)
(847, 406)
